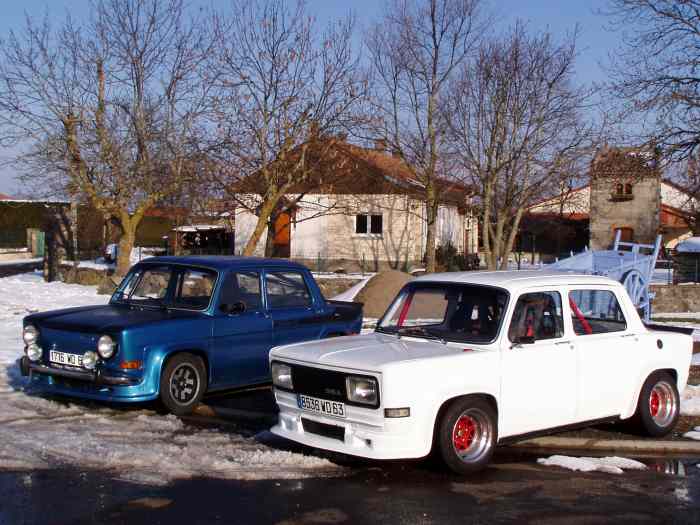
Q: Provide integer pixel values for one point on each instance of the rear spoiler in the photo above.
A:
(669, 328)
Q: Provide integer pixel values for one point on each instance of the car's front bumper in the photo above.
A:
(98, 385)
(369, 437)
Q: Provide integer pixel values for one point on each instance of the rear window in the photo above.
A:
(287, 290)
(595, 312)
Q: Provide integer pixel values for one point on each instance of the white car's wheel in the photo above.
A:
(658, 407)
(467, 434)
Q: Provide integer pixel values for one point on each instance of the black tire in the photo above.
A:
(467, 434)
(183, 383)
(658, 407)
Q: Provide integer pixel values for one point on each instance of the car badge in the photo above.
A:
(54, 347)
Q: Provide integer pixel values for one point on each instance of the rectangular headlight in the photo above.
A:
(282, 375)
(362, 390)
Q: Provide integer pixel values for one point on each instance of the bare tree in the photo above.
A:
(415, 49)
(284, 88)
(655, 74)
(112, 108)
(517, 128)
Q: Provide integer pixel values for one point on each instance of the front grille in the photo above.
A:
(326, 384)
(323, 429)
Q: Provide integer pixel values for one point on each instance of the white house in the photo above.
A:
(369, 216)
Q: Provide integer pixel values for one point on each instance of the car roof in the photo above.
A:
(223, 262)
(517, 280)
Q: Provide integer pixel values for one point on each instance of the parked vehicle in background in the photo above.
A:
(465, 361)
(179, 327)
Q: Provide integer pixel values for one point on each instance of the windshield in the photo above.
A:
(167, 286)
(446, 311)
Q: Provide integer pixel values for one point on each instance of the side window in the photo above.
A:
(195, 288)
(242, 287)
(287, 290)
(595, 312)
(538, 316)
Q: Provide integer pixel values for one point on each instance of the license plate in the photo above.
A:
(321, 406)
(63, 358)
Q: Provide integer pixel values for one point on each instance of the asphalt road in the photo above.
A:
(513, 489)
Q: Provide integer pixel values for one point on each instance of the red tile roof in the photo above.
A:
(341, 168)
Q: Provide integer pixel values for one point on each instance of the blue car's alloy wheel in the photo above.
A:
(182, 383)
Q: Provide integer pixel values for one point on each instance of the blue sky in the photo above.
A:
(556, 16)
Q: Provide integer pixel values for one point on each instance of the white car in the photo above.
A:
(465, 361)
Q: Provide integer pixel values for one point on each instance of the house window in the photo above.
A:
(628, 189)
(626, 234)
(365, 224)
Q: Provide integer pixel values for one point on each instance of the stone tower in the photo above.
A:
(625, 195)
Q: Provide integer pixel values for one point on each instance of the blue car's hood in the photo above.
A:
(104, 318)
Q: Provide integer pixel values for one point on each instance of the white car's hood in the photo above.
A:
(367, 352)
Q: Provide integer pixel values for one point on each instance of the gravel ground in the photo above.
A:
(694, 377)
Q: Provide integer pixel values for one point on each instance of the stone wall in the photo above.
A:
(625, 193)
(676, 298)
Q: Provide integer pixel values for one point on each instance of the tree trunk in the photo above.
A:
(263, 218)
(270, 240)
(126, 243)
(430, 241)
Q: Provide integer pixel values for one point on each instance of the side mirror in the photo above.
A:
(233, 308)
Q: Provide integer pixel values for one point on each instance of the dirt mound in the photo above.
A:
(380, 290)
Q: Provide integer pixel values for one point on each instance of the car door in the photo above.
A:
(538, 388)
(605, 349)
(294, 315)
(242, 334)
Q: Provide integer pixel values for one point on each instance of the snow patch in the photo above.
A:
(351, 293)
(13, 262)
(690, 401)
(611, 465)
(693, 434)
(137, 445)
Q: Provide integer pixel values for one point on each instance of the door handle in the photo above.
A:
(564, 343)
(629, 335)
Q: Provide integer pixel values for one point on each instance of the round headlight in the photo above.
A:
(30, 334)
(33, 352)
(106, 346)
(89, 360)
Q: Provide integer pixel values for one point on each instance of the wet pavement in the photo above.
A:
(513, 489)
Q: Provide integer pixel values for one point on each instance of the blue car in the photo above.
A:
(179, 327)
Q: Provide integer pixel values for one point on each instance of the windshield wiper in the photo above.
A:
(419, 331)
(148, 301)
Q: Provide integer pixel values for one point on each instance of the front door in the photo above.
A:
(294, 314)
(282, 238)
(606, 353)
(242, 339)
(538, 388)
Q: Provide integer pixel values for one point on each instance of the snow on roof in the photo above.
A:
(199, 228)
(33, 201)
(690, 245)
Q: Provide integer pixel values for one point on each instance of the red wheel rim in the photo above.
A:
(654, 403)
(464, 432)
